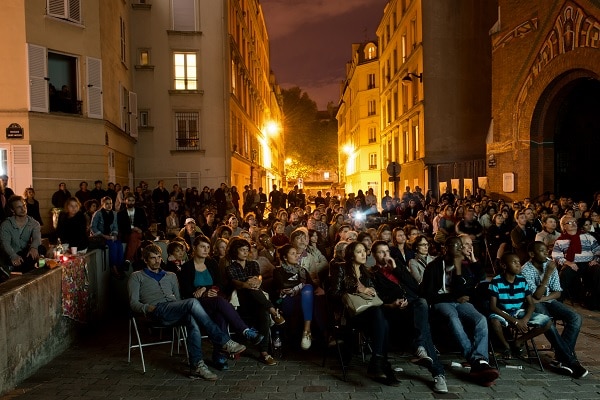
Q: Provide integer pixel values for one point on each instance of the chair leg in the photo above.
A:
(493, 353)
(537, 354)
(140, 346)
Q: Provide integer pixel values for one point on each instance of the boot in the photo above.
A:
(375, 370)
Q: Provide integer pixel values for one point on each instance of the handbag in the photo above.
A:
(358, 303)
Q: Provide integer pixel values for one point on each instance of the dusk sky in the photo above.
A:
(311, 41)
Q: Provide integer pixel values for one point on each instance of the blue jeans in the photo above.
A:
(306, 297)
(190, 313)
(460, 315)
(115, 252)
(564, 345)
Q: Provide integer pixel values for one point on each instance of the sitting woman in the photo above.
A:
(279, 238)
(352, 277)
(199, 278)
(72, 225)
(400, 251)
(176, 251)
(385, 233)
(104, 225)
(295, 287)
(417, 265)
(244, 276)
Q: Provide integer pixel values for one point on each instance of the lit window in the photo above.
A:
(187, 131)
(185, 71)
(144, 57)
(372, 160)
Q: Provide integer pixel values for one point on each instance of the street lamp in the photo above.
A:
(271, 128)
(407, 80)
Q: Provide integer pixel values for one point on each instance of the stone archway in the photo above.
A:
(565, 136)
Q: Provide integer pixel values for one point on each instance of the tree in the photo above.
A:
(310, 135)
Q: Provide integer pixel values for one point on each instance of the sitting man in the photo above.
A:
(20, 239)
(403, 307)
(155, 293)
(542, 277)
(444, 288)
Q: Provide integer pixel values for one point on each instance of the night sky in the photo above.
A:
(311, 41)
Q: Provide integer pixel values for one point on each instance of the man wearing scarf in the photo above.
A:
(155, 293)
(578, 253)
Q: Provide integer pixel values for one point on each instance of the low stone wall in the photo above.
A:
(33, 329)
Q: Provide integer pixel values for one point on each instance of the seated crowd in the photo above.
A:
(471, 265)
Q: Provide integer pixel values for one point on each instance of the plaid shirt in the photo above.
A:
(534, 278)
(236, 272)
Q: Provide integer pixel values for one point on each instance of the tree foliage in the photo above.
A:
(310, 136)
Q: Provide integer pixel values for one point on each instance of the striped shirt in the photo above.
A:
(511, 296)
(590, 249)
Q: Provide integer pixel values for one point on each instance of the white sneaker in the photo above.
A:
(306, 341)
(423, 358)
(202, 371)
(439, 384)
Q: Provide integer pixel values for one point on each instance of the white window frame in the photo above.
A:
(186, 116)
(185, 77)
(184, 15)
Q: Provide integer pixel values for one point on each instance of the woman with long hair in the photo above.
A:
(33, 206)
(352, 277)
(399, 249)
(72, 225)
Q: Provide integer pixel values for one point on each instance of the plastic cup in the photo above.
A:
(73, 250)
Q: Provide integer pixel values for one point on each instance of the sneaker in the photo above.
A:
(306, 341)
(202, 371)
(253, 336)
(220, 361)
(439, 384)
(483, 372)
(278, 318)
(578, 370)
(561, 368)
(423, 358)
(268, 359)
(232, 347)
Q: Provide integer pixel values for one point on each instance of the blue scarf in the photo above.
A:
(155, 275)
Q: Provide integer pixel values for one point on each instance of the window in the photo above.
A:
(183, 13)
(144, 57)
(69, 10)
(406, 146)
(62, 83)
(370, 81)
(372, 160)
(185, 71)
(186, 131)
(144, 118)
(372, 134)
(372, 110)
(370, 52)
(403, 48)
(129, 116)
(123, 41)
(413, 33)
(415, 129)
(404, 98)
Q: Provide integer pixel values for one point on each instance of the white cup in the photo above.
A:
(73, 250)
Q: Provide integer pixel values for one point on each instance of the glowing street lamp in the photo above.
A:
(271, 128)
(348, 149)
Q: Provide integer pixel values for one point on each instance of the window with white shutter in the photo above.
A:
(69, 10)
(133, 115)
(94, 87)
(183, 13)
(38, 78)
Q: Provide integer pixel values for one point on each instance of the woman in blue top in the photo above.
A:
(199, 278)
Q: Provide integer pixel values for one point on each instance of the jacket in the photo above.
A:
(139, 221)
(187, 275)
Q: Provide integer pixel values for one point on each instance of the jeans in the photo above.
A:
(190, 313)
(461, 315)
(115, 252)
(564, 345)
(223, 314)
(306, 300)
(373, 323)
(417, 315)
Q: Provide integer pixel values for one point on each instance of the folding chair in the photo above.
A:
(178, 334)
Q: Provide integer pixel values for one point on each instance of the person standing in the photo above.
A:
(132, 222)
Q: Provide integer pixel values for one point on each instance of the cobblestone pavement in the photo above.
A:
(96, 368)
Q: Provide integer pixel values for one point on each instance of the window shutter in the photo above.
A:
(94, 87)
(38, 84)
(133, 117)
(184, 15)
(74, 10)
(22, 168)
(56, 8)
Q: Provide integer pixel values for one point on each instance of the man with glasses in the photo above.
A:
(447, 288)
(578, 253)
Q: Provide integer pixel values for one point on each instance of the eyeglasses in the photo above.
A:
(570, 223)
